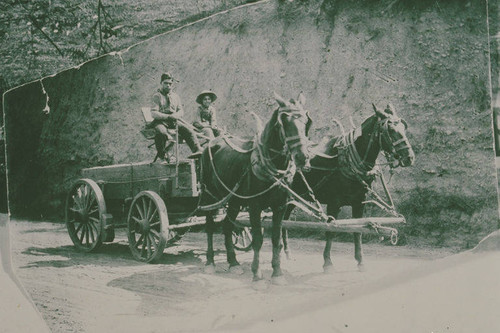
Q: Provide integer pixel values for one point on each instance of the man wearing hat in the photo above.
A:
(166, 113)
(207, 114)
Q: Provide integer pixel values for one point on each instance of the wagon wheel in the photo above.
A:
(85, 208)
(242, 238)
(147, 226)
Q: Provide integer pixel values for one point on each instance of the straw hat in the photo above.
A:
(204, 93)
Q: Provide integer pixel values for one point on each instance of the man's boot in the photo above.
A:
(160, 141)
(193, 143)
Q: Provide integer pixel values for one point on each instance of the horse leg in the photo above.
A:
(357, 212)
(228, 227)
(277, 277)
(209, 229)
(284, 235)
(328, 265)
(257, 240)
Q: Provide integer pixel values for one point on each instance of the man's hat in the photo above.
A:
(166, 77)
(204, 93)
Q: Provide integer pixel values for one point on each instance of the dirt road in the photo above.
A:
(109, 291)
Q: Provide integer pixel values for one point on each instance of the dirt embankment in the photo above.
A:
(428, 58)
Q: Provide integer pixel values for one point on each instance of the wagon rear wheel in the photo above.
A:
(242, 238)
(147, 226)
(85, 208)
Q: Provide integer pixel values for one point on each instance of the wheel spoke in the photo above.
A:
(94, 225)
(143, 250)
(136, 219)
(91, 232)
(150, 253)
(152, 239)
(150, 207)
(93, 211)
(83, 233)
(154, 224)
(141, 212)
(78, 229)
(92, 201)
(87, 234)
(155, 234)
(139, 241)
(74, 210)
(155, 213)
(86, 198)
(144, 208)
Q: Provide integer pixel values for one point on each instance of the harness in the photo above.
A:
(262, 164)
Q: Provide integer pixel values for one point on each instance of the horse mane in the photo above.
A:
(329, 144)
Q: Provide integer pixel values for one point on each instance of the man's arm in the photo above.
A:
(155, 111)
(213, 123)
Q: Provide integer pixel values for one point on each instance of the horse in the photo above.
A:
(342, 170)
(252, 175)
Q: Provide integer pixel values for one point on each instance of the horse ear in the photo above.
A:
(279, 99)
(258, 122)
(390, 109)
(379, 113)
(302, 99)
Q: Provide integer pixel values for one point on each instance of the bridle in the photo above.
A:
(392, 148)
(294, 141)
(262, 161)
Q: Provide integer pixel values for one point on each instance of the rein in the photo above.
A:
(261, 165)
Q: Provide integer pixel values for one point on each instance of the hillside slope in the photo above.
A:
(428, 58)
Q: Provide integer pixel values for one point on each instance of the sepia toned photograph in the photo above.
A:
(250, 166)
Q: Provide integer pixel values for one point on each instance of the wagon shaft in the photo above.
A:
(362, 225)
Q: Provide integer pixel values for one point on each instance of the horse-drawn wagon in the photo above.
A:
(152, 200)
(158, 202)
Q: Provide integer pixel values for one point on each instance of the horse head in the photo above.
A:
(294, 122)
(393, 140)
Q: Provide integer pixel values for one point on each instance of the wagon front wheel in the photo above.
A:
(85, 208)
(147, 226)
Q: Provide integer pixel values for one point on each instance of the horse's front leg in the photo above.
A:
(277, 277)
(357, 212)
(209, 229)
(332, 210)
(228, 227)
(257, 240)
(284, 235)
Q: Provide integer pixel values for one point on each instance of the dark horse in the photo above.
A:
(252, 176)
(342, 169)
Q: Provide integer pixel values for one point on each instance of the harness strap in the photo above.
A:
(235, 147)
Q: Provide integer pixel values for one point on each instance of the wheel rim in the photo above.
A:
(147, 226)
(84, 209)
(242, 239)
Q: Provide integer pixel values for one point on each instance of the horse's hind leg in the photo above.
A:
(210, 228)
(328, 265)
(228, 227)
(357, 212)
(257, 240)
(277, 276)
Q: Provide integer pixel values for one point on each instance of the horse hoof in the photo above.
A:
(361, 267)
(260, 284)
(279, 280)
(236, 270)
(209, 269)
(328, 269)
(288, 255)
